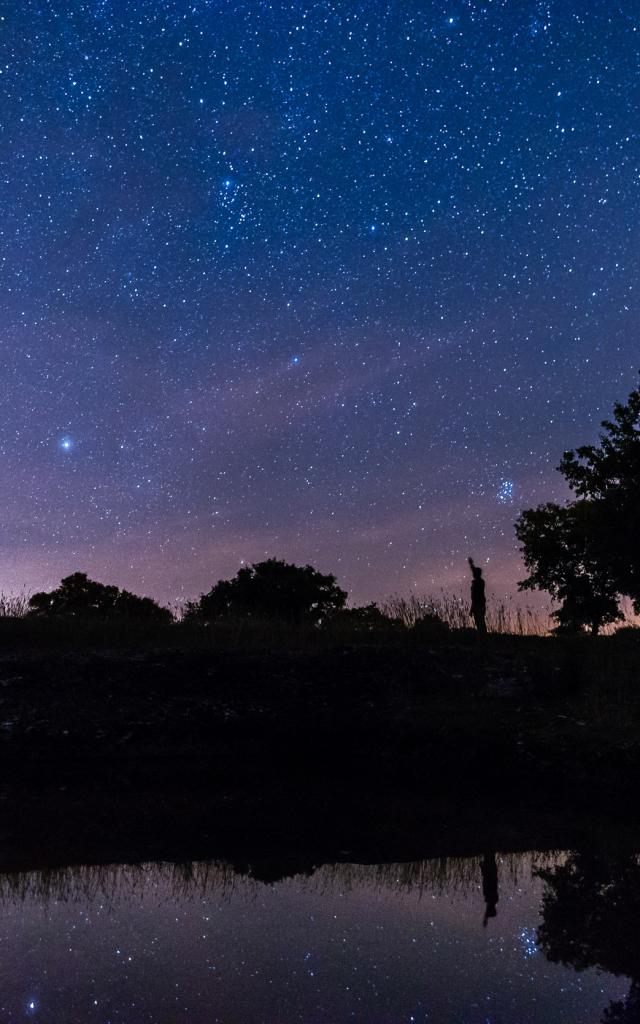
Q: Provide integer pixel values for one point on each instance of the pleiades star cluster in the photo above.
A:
(332, 282)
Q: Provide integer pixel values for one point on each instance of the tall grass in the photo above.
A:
(455, 612)
(13, 606)
(21, 630)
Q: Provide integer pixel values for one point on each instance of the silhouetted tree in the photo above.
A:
(271, 589)
(587, 553)
(79, 596)
(558, 549)
(607, 475)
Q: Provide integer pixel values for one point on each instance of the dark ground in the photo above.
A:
(284, 760)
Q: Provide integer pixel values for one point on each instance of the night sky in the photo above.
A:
(333, 282)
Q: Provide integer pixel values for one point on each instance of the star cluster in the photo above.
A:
(330, 282)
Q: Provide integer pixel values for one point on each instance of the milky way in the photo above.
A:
(334, 282)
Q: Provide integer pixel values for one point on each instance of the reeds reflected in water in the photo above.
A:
(180, 882)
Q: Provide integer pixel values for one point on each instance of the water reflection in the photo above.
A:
(496, 938)
(591, 918)
(455, 876)
(490, 890)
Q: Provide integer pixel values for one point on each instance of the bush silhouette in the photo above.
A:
(367, 618)
(430, 627)
(81, 597)
(271, 589)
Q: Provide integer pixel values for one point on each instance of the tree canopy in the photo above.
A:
(79, 596)
(271, 589)
(586, 553)
(607, 475)
(558, 549)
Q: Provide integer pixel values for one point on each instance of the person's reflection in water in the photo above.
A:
(489, 869)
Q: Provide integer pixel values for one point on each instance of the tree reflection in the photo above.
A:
(626, 1011)
(591, 918)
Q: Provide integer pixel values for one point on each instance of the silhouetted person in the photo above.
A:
(489, 870)
(478, 600)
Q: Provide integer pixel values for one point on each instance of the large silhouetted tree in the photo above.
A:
(81, 597)
(608, 476)
(559, 550)
(271, 589)
(586, 553)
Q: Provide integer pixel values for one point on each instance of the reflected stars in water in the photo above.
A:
(528, 942)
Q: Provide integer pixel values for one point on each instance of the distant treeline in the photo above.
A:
(264, 603)
(585, 553)
(268, 590)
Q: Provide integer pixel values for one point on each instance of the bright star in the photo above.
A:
(295, 360)
(66, 444)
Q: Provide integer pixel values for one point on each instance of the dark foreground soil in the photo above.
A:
(371, 753)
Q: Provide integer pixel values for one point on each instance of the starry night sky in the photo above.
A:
(333, 282)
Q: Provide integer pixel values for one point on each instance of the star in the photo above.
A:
(207, 216)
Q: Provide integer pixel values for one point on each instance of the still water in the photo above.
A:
(465, 941)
